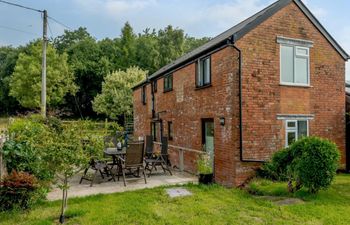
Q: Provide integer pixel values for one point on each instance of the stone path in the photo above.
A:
(105, 187)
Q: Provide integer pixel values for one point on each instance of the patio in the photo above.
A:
(104, 187)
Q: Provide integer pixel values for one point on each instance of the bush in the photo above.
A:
(18, 191)
(277, 168)
(25, 151)
(311, 162)
(316, 162)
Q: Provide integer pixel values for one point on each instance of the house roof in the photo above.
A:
(238, 31)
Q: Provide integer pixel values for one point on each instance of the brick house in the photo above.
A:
(250, 91)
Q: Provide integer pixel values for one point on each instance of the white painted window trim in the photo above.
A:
(295, 55)
(295, 41)
(295, 129)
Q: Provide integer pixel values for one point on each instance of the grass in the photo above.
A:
(3, 122)
(207, 205)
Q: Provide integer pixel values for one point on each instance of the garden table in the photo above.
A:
(115, 154)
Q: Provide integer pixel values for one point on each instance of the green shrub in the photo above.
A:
(18, 191)
(315, 162)
(310, 162)
(26, 150)
(205, 164)
(277, 168)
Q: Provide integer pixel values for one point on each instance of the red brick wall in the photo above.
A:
(185, 106)
(264, 97)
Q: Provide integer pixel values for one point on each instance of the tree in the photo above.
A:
(69, 38)
(170, 44)
(8, 58)
(116, 96)
(192, 43)
(147, 55)
(25, 82)
(89, 66)
(127, 47)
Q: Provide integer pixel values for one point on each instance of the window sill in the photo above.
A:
(165, 91)
(203, 87)
(296, 85)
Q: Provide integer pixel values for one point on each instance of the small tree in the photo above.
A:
(116, 96)
(68, 158)
(25, 82)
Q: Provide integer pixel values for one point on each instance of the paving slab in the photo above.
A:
(105, 187)
(177, 192)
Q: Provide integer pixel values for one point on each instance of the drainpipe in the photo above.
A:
(153, 98)
(232, 40)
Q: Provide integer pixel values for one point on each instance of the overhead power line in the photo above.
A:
(60, 23)
(18, 30)
(21, 6)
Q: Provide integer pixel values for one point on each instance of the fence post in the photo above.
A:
(181, 159)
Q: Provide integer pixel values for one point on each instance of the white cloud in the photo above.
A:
(114, 8)
(231, 13)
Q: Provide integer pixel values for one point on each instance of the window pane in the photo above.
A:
(207, 71)
(201, 70)
(301, 70)
(302, 51)
(302, 129)
(171, 82)
(291, 124)
(198, 74)
(291, 136)
(287, 58)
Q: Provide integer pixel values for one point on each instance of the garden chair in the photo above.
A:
(99, 166)
(149, 147)
(161, 160)
(133, 160)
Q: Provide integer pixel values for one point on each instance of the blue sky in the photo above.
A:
(104, 18)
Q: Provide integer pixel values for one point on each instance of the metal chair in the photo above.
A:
(133, 160)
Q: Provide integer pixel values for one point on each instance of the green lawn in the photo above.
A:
(208, 205)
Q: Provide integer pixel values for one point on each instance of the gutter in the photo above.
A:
(241, 106)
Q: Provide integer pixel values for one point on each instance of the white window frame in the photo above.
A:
(294, 129)
(296, 55)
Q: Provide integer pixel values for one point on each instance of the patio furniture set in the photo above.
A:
(128, 160)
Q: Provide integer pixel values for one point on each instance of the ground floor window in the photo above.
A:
(296, 129)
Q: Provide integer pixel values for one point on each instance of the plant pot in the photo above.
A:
(206, 178)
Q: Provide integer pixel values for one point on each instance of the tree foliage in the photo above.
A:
(25, 82)
(311, 162)
(78, 55)
(116, 96)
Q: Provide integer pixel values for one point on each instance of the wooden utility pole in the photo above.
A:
(43, 66)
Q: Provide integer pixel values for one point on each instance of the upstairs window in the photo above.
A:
(295, 68)
(203, 74)
(296, 129)
(168, 83)
(143, 95)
